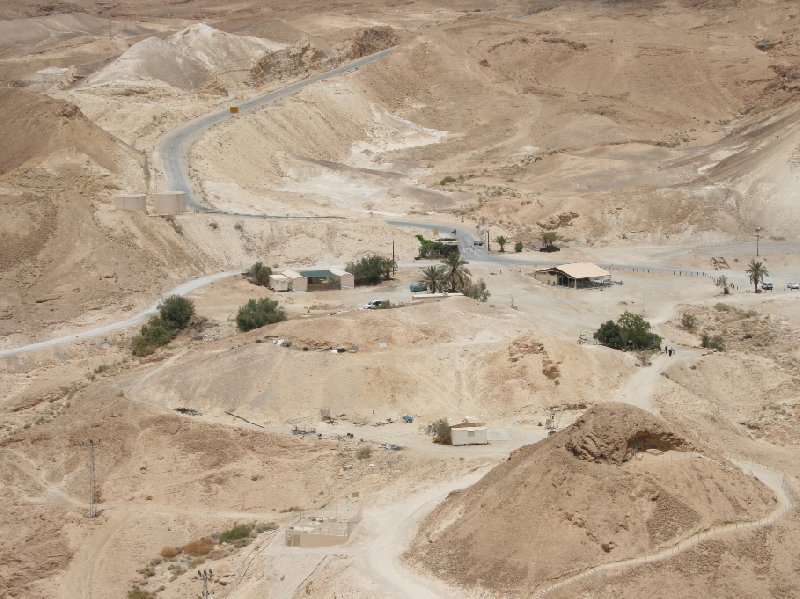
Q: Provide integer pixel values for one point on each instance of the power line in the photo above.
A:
(92, 489)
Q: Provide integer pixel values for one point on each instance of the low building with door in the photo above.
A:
(469, 433)
(576, 275)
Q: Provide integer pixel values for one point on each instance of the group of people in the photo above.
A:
(670, 351)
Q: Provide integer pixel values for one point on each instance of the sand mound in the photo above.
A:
(187, 60)
(578, 498)
(35, 127)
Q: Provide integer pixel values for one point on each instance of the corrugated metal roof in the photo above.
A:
(292, 274)
(583, 270)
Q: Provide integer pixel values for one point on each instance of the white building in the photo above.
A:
(469, 433)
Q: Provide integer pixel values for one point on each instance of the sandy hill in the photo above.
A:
(195, 57)
(37, 128)
(583, 497)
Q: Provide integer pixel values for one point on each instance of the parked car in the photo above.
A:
(375, 304)
(478, 242)
(793, 286)
(766, 285)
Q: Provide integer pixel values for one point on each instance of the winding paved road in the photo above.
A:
(171, 150)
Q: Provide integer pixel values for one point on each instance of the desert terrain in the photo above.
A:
(647, 137)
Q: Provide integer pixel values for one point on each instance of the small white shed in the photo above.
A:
(346, 280)
(297, 282)
(469, 433)
(279, 283)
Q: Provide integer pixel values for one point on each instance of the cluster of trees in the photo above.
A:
(434, 249)
(454, 276)
(631, 331)
(548, 238)
(371, 269)
(258, 313)
(174, 313)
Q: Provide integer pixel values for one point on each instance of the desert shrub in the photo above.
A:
(170, 552)
(447, 179)
(199, 547)
(364, 452)
(518, 247)
(239, 531)
(715, 342)
(371, 269)
(137, 593)
(689, 321)
(259, 274)
(441, 432)
(176, 311)
(267, 526)
(213, 224)
(258, 313)
(477, 290)
(155, 333)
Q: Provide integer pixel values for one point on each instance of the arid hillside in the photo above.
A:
(617, 483)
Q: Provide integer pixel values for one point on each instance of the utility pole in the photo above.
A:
(92, 491)
(394, 264)
(205, 576)
(488, 242)
(758, 234)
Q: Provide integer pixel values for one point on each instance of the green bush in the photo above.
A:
(447, 179)
(518, 247)
(239, 531)
(155, 333)
(477, 290)
(370, 270)
(610, 335)
(631, 331)
(176, 311)
(259, 274)
(713, 342)
(258, 313)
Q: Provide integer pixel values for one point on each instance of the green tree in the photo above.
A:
(176, 311)
(477, 291)
(549, 237)
(501, 241)
(631, 331)
(153, 334)
(610, 335)
(370, 270)
(429, 248)
(757, 272)
(518, 247)
(434, 278)
(636, 332)
(259, 274)
(441, 432)
(457, 276)
(258, 313)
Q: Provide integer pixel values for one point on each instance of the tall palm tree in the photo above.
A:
(433, 278)
(757, 272)
(456, 275)
(502, 241)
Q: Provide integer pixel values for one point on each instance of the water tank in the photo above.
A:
(135, 202)
(169, 202)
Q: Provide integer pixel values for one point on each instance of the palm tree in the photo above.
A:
(456, 276)
(501, 241)
(433, 278)
(757, 272)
